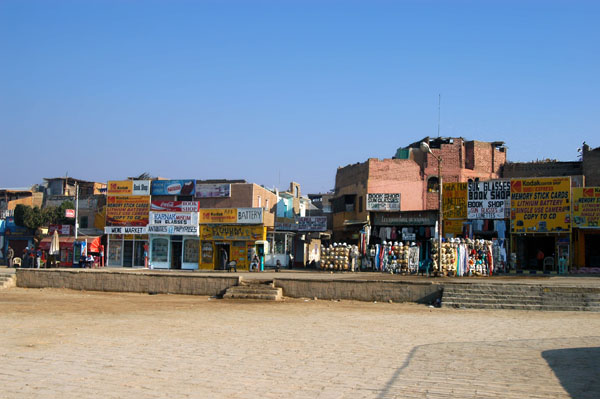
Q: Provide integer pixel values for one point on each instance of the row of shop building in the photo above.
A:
(520, 210)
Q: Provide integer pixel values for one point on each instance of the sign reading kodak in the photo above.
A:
(128, 187)
(540, 205)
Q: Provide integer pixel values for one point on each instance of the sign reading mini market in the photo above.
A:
(541, 205)
(383, 202)
(489, 200)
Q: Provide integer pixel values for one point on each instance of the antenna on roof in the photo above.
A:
(439, 107)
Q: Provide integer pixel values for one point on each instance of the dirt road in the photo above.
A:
(67, 344)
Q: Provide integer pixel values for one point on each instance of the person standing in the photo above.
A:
(224, 258)
(10, 254)
(540, 258)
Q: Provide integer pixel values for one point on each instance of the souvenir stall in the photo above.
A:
(396, 257)
(340, 256)
(463, 257)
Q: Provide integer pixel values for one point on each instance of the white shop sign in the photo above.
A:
(125, 230)
(174, 218)
(383, 202)
(489, 200)
(249, 215)
(173, 230)
(140, 187)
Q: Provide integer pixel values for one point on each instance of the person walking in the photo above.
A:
(10, 254)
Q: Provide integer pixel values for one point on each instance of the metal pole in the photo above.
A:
(440, 218)
(76, 209)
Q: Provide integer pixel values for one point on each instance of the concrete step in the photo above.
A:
(553, 296)
(7, 280)
(255, 289)
(240, 289)
(261, 297)
(530, 301)
(519, 288)
(518, 306)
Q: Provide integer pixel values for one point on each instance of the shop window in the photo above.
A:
(259, 201)
(115, 249)
(433, 184)
(207, 252)
(160, 250)
(190, 251)
(266, 204)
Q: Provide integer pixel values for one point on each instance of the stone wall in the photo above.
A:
(361, 290)
(126, 281)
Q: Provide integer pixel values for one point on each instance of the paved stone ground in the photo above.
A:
(67, 344)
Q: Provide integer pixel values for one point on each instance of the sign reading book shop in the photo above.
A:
(489, 200)
(383, 202)
(128, 187)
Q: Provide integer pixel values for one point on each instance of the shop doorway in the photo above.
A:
(223, 255)
(529, 249)
(128, 254)
(592, 250)
(176, 248)
(138, 253)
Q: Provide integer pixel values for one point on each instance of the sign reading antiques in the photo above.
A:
(489, 200)
(586, 207)
(540, 205)
(383, 202)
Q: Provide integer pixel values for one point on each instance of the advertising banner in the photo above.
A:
(586, 207)
(125, 230)
(489, 200)
(128, 187)
(218, 216)
(233, 233)
(173, 230)
(212, 190)
(540, 205)
(312, 223)
(249, 215)
(454, 200)
(453, 228)
(173, 187)
(63, 229)
(383, 202)
(175, 206)
(127, 210)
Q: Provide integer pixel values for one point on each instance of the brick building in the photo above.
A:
(413, 174)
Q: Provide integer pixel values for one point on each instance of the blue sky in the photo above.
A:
(274, 91)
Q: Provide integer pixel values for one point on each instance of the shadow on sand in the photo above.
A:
(577, 369)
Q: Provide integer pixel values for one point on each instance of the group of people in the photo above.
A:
(30, 258)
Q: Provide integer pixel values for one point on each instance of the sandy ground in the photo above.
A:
(69, 344)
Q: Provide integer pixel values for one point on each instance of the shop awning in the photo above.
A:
(93, 242)
(64, 242)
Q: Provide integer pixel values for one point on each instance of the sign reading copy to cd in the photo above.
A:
(173, 223)
(383, 202)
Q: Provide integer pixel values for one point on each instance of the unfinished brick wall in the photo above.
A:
(591, 167)
(351, 179)
(397, 176)
(540, 169)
